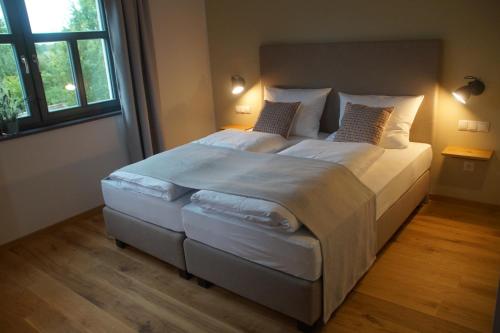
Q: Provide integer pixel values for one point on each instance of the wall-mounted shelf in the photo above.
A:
(468, 153)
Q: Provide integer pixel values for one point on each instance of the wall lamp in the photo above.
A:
(474, 87)
(238, 84)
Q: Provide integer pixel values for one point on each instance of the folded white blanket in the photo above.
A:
(247, 141)
(148, 185)
(258, 142)
(264, 213)
(357, 157)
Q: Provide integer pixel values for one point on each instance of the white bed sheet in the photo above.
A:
(395, 171)
(149, 208)
(299, 253)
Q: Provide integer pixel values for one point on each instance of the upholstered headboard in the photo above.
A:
(383, 68)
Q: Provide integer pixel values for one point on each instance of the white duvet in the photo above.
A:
(357, 157)
(247, 141)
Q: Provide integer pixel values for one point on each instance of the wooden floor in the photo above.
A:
(439, 274)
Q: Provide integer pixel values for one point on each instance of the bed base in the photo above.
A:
(161, 243)
(295, 297)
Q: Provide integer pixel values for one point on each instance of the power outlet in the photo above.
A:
(469, 166)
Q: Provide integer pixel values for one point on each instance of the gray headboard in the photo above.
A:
(383, 68)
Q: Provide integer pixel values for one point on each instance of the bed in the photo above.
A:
(137, 212)
(217, 249)
(242, 258)
(299, 253)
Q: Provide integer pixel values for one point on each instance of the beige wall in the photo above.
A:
(48, 177)
(51, 176)
(181, 47)
(470, 32)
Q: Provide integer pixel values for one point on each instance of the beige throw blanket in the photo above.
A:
(326, 197)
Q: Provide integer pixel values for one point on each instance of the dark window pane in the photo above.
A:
(9, 77)
(57, 75)
(4, 27)
(95, 70)
(64, 15)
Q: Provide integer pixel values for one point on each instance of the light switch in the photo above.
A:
(243, 108)
(483, 126)
(462, 125)
(472, 125)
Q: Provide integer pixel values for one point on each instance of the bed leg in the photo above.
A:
(204, 283)
(184, 274)
(306, 328)
(120, 244)
(426, 199)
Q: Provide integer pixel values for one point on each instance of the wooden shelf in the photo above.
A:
(468, 153)
(236, 127)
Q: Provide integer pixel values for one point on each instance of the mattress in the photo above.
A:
(143, 199)
(299, 253)
(143, 206)
(394, 172)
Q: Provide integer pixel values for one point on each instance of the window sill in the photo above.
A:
(59, 125)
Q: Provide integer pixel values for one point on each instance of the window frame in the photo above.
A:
(23, 41)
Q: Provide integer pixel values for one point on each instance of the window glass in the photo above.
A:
(64, 15)
(95, 68)
(55, 62)
(57, 75)
(9, 78)
(4, 27)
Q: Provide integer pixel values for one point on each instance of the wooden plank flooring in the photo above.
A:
(438, 274)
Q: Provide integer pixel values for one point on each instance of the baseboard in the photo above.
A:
(463, 202)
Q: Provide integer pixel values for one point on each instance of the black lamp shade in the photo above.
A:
(474, 87)
(462, 94)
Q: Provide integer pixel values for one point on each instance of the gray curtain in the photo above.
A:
(134, 58)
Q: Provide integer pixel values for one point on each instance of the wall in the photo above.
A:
(51, 176)
(182, 60)
(48, 177)
(471, 38)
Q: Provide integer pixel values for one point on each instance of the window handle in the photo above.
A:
(25, 63)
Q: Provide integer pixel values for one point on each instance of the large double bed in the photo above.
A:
(285, 270)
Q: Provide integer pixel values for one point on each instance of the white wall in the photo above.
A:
(51, 176)
(182, 60)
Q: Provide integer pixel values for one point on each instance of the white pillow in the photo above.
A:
(397, 131)
(306, 122)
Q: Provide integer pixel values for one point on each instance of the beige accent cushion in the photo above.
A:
(277, 118)
(362, 123)
(397, 130)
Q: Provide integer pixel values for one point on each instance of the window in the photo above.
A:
(55, 56)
